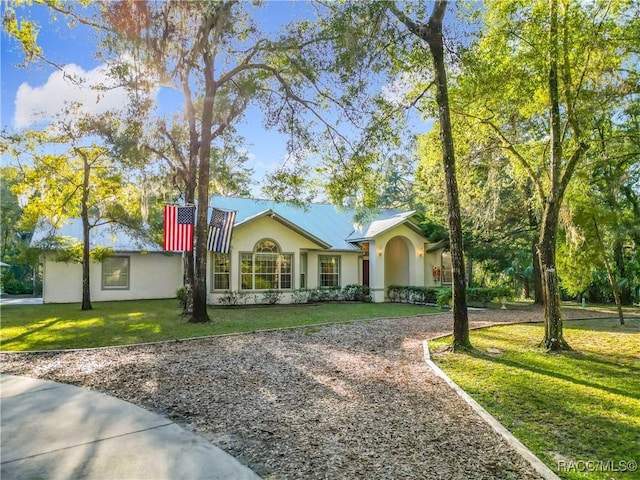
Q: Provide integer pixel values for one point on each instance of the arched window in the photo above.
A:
(266, 267)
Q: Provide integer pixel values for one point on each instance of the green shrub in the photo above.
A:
(181, 296)
(393, 292)
(412, 294)
(301, 295)
(356, 293)
(13, 286)
(484, 295)
(271, 296)
(444, 297)
(230, 298)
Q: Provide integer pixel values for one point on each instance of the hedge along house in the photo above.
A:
(137, 268)
(278, 246)
(274, 246)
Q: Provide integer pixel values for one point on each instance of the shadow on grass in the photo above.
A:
(601, 367)
(611, 325)
(7, 342)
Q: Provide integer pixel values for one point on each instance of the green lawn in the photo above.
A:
(63, 326)
(580, 406)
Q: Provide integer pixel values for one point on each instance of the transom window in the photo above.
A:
(329, 271)
(115, 273)
(266, 267)
(221, 271)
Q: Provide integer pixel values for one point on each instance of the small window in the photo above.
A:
(303, 270)
(221, 271)
(115, 273)
(446, 274)
(329, 271)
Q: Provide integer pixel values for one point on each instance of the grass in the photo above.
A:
(65, 326)
(572, 407)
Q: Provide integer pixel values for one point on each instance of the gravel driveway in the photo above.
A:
(347, 401)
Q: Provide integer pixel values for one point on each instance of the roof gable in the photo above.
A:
(324, 224)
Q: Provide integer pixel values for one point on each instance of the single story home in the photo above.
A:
(274, 246)
(138, 268)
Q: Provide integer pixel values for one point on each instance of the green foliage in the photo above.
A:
(326, 295)
(592, 390)
(24, 31)
(231, 298)
(483, 295)
(181, 296)
(271, 296)
(413, 294)
(445, 296)
(300, 296)
(13, 286)
(356, 293)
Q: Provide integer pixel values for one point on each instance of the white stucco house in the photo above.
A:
(273, 246)
(138, 269)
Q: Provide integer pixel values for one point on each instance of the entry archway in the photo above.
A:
(396, 262)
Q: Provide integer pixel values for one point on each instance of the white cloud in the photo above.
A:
(43, 104)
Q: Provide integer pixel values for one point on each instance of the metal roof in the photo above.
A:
(109, 235)
(322, 223)
(327, 226)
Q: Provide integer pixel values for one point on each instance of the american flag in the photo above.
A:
(220, 229)
(178, 228)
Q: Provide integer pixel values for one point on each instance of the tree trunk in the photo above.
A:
(191, 182)
(626, 295)
(607, 266)
(84, 215)
(538, 295)
(526, 288)
(433, 36)
(199, 314)
(431, 32)
(189, 260)
(553, 335)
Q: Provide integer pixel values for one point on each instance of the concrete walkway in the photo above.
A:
(56, 431)
(18, 300)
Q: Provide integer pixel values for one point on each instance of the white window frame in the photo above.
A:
(105, 272)
(277, 258)
(216, 273)
(337, 275)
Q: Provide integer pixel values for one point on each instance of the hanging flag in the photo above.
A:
(178, 228)
(220, 228)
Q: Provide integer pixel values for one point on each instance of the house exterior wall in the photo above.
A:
(151, 275)
(384, 253)
(246, 236)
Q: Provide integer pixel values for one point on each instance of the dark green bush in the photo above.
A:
(271, 297)
(484, 295)
(444, 297)
(412, 294)
(181, 296)
(356, 293)
(13, 286)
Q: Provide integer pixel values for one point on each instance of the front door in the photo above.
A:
(365, 273)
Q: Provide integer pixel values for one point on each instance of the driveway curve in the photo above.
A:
(56, 431)
(344, 401)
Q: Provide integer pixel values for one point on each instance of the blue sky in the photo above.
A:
(32, 95)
